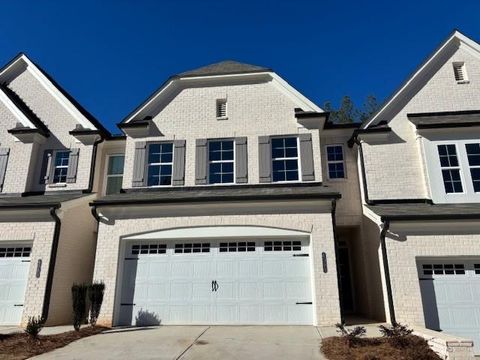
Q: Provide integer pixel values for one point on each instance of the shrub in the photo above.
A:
(79, 303)
(351, 336)
(95, 296)
(34, 325)
(397, 334)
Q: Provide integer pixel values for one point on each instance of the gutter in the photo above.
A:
(53, 258)
(386, 270)
(93, 164)
(354, 140)
(335, 241)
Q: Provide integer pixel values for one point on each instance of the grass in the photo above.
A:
(22, 346)
(413, 348)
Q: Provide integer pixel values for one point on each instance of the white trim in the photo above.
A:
(299, 162)
(455, 36)
(47, 84)
(105, 172)
(200, 232)
(15, 111)
(147, 164)
(221, 161)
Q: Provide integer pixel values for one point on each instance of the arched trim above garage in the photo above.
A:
(216, 232)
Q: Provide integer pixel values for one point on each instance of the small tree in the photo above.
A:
(34, 326)
(397, 334)
(79, 303)
(95, 296)
(352, 336)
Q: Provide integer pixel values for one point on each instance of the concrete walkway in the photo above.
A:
(197, 342)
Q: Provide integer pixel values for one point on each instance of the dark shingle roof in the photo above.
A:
(445, 119)
(224, 68)
(221, 193)
(424, 211)
(37, 201)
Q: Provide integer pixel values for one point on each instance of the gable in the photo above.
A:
(434, 82)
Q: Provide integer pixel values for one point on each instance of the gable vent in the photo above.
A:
(221, 108)
(460, 72)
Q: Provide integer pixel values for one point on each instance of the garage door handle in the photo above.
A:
(213, 285)
(304, 303)
(18, 305)
(300, 254)
(216, 285)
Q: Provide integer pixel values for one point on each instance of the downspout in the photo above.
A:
(53, 258)
(351, 141)
(93, 164)
(386, 270)
(335, 241)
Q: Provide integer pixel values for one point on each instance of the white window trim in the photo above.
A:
(221, 161)
(299, 163)
(104, 187)
(434, 170)
(221, 101)
(469, 167)
(147, 164)
(336, 162)
(459, 168)
(55, 167)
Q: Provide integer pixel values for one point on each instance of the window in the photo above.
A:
(114, 174)
(222, 108)
(149, 249)
(15, 251)
(60, 167)
(473, 155)
(237, 247)
(160, 161)
(220, 162)
(460, 72)
(335, 162)
(443, 269)
(192, 248)
(450, 168)
(285, 159)
(282, 246)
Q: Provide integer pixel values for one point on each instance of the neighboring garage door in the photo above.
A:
(451, 297)
(217, 282)
(14, 265)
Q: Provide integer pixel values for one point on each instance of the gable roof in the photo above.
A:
(62, 95)
(226, 67)
(456, 37)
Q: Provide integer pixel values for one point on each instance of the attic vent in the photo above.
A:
(460, 72)
(221, 108)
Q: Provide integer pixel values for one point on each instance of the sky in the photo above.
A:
(111, 55)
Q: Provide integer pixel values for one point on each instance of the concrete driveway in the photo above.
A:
(197, 342)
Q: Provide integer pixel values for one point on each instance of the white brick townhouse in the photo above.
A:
(226, 216)
(47, 149)
(420, 167)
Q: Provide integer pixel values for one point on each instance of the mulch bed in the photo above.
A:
(413, 348)
(22, 346)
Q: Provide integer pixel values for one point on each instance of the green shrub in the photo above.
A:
(79, 303)
(34, 326)
(397, 334)
(351, 336)
(95, 296)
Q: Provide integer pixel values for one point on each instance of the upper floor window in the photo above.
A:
(61, 167)
(285, 158)
(221, 108)
(335, 162)
(450, 167)
(114, 174)
(221, 161)
(159, 164)
(473, 155)
(460, 72)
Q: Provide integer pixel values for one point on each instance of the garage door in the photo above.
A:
(14, 265)
(221, 282)
(450, 294)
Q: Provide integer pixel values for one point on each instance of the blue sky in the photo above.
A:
(110, 55)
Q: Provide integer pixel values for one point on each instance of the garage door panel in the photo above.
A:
(253, 286)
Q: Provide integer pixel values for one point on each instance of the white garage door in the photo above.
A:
(220, 282)
(450, 293)
(14, 265)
